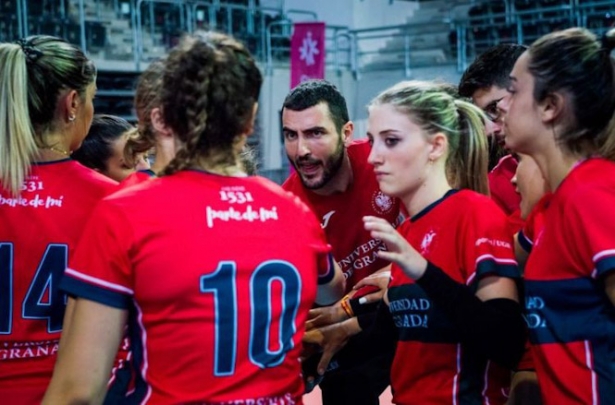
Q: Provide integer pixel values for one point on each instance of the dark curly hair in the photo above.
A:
(210, 86)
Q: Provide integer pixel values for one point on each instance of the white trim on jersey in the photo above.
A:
(99, 282)
(590, 366)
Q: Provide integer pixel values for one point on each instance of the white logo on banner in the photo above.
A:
(309, 49)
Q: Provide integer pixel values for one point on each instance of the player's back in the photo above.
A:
(39, 229)
(223, 271)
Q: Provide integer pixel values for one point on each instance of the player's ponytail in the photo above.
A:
(17, 141)
(468, 163)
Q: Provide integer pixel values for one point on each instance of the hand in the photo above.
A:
(331, 338)
(399, 250)
(379, 280)
(324, 316)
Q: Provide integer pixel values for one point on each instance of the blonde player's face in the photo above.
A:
(400, 151)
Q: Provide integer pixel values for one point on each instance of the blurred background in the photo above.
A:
(369, 44)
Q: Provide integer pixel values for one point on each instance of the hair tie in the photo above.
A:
(32, 53)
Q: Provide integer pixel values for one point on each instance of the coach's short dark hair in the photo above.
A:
(313, 92)
(491, 68)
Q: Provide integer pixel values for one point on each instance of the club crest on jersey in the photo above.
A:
(382, 203)
(427, 239)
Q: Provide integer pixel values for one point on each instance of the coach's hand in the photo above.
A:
(324, 316)
(332, 339)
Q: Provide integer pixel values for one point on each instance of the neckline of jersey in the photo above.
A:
(433, 205)
(52, 162)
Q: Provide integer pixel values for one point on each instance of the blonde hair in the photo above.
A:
(434, 108)
(34, 72)
(17, 140)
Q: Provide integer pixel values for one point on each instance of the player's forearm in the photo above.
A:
(70, 392)
(494, 327)
(333, 291)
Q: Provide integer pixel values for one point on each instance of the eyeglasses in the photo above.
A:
(492, 111)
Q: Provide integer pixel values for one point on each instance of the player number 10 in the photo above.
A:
(222, 283)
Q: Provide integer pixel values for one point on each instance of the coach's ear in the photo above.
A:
(347, 132)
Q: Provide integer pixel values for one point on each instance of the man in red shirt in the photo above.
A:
(485, 82)
(333, 178)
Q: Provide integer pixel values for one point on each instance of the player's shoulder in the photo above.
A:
(274, 191)
(476, 206)
(89, 180)
(590, 182)
(292, 182)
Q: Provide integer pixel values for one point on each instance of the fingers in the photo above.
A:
(313, 337)
(373, 297)
(327, 355)
(367, 281)
(314, 313)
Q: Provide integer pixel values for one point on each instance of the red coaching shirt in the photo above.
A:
(465, 234)
(341, 215)
(39, 229)
(501, 189)
(221, 272)
(571, 319)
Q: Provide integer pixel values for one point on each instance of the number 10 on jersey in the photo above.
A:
(222, 283)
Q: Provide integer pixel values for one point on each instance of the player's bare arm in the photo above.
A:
(81, 374)
(333, 290)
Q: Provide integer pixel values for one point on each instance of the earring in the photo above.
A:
(71, 118)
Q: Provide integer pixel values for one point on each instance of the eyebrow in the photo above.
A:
(311, 129)
(512, 78)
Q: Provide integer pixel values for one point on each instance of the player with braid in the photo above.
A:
(213, 270)
(46, 91)
(153, 135)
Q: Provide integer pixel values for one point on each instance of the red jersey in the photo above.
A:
(137, 177)
(571, 319)
(39, 231)
(465, 234)
(534, 224)
(342, 215)
(501, 189)
(221, 272)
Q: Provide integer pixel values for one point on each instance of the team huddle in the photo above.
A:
(462, 254)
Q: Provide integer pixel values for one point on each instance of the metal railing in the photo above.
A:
(267, 31)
